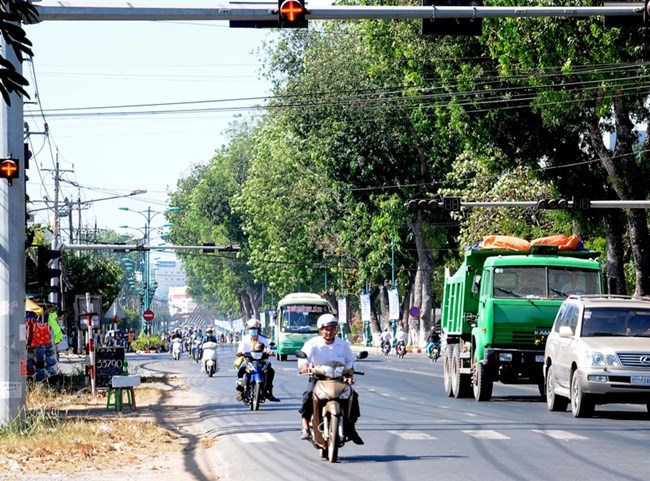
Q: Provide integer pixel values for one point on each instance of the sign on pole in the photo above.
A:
(364, 299)
(148, 315)
(393, 305)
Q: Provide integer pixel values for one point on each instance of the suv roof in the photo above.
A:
(613, 300)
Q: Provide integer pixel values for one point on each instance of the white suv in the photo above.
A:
(598, 352)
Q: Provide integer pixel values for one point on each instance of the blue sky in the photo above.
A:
(99, 64)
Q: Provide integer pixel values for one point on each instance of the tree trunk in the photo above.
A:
(422, 288)
(614, 230)
(628, 182)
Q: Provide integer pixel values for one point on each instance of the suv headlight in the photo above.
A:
(599, 359)
(595, 358)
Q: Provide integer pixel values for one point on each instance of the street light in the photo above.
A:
(148, 216)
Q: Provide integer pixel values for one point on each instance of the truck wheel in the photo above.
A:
(581, 405)
(446, 371)
(483, 382)
(454, 370)
(553, 401)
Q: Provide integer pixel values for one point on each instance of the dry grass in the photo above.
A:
(65, 431)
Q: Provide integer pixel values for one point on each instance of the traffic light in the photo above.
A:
(292, 14)
(452, 26)
(448, 204)
(45, 273)
(552, 204)
(422, 204)
(9, 169)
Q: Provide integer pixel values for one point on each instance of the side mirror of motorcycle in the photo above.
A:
(300, 355)
(362, 355)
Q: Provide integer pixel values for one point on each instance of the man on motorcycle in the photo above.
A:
(248, 344)
(321, 350)
(386, 337)
(209, 337)
(175, 335)
(433, 339)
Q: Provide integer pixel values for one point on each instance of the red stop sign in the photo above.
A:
(148, 315)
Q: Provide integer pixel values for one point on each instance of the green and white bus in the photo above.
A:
(296, 321)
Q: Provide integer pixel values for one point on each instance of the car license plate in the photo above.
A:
(639, 380)
(539, 358)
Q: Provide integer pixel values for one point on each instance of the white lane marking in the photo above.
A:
(559, 434)
(256, 437)
(412, 435)
(471, 415)
(486, 434)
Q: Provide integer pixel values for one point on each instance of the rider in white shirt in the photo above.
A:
(320, 350)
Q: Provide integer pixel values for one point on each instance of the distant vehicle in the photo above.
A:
(296, 318)
(598, 352)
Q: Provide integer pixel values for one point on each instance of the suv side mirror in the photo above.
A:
(566, 331)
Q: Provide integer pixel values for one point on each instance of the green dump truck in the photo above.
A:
(497, 312)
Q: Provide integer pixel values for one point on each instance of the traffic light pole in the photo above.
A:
(13, 367)
(53, 10)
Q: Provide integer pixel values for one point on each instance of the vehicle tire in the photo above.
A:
(454, 371)
(553, 401)
(483, 383)
(333, 441)
(211, 371)
(446, 372)
(255, 394)
(581, 405)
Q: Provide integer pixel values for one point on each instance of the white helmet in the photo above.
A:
(326, 320)
(253, 324)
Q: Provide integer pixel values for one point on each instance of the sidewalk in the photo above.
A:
(186, 454)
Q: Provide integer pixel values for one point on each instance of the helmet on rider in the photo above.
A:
(326, 320)
(208, 330)
(253, 324)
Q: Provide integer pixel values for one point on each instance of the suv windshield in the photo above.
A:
(541, 281)
(615, 321)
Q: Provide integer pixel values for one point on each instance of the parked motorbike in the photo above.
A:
(385, 347)
(400, 349)
(210, 359)
(177, 344)
(257, 364)
(331, 408)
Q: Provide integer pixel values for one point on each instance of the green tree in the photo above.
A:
(12, 14)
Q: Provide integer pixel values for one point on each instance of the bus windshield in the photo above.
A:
(301, 318)
(546, 282)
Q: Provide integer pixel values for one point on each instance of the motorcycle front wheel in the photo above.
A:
(333, 440)
(255, 394)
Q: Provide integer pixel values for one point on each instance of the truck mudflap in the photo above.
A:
(515, 366)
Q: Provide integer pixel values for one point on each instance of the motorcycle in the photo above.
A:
(434, 354)
(257, 364)
(400, 349)
(176, 348)
(385, 347)
(331, 408)
(209, 359)
(196, 352)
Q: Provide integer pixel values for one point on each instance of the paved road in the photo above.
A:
(412, 430)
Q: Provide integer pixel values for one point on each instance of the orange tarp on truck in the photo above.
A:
(562, 242)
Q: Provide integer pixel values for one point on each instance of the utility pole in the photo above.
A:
(13, 360)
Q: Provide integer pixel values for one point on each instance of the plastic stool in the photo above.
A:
(119, 386)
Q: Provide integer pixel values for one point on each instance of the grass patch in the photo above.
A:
(67, 429)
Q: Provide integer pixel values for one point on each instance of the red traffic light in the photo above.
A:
(9, 169)
(292, 14)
